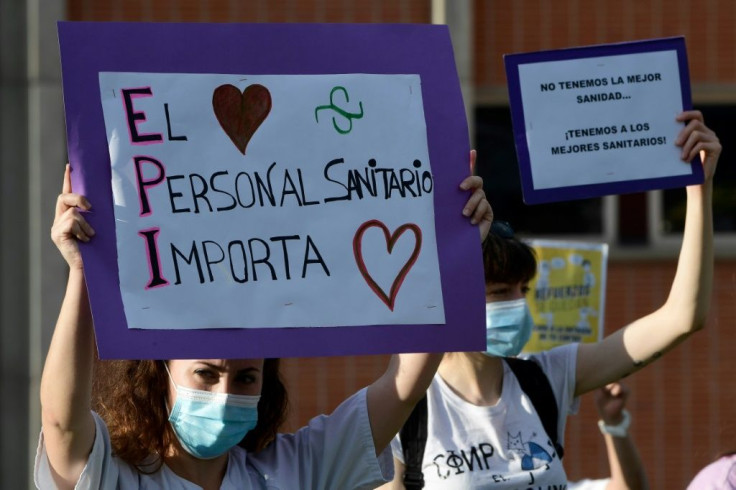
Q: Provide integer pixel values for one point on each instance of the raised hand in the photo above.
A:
(611, 401)
(478, 209)
(69, 224)
(696, 138)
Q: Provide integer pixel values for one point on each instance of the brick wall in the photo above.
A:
(250, 10)
(683, 405)
(505, 26)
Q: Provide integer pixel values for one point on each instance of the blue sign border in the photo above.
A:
(567, 193)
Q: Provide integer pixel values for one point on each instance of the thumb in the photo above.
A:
(66, 187)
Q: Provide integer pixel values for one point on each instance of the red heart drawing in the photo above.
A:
(241, 114)
(391, 239)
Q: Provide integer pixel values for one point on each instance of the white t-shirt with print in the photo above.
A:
(332, 452)
(499, 447)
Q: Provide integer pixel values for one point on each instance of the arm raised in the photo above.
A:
(627, 469)
(68, 426)
(392, 397)
(686, 307)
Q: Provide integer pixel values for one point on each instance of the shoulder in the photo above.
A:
(350, 419)
(561, 356)
(720, 472)
(558, 364)
(315, 455)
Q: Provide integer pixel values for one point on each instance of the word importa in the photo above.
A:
(245, 259)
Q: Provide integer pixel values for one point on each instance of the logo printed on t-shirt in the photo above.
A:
(535, 452)
(533, 460)
(475, 458)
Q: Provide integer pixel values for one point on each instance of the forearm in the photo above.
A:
(66, 384)
(686, 307)
(691, 289)
(627, 470)
(67, 375)
(393, 396)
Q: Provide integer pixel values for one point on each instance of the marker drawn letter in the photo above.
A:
(154, 261)
(145, 207)
(134, 117)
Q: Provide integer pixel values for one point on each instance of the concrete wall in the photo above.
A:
(14, 378)
(32, 156)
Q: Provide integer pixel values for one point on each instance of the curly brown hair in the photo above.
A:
(130, 396)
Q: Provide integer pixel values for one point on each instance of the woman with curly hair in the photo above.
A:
(204, 423)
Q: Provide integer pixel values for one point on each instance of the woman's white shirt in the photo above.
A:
(332, 452)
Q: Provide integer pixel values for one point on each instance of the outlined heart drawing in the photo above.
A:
(391, 239)
(240, 114)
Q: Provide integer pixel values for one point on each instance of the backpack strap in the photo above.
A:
(536, 385)
(413, 436)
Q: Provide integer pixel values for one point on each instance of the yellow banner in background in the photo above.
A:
(567, 296)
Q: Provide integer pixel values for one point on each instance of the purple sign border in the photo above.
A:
(538, 196)
(88, 48)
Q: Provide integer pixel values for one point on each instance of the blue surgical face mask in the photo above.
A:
(508, 327)
(210, 424)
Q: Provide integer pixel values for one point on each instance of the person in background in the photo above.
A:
(627, 470)
(719, 475)
(483, 427)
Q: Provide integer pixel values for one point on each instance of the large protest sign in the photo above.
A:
(567, 296)
(600, 120)
(275, 198)
(288, 215)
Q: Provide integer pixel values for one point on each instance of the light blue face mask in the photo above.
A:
(508, 327)
(210, 424)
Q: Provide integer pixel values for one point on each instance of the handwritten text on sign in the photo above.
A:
(272, 201)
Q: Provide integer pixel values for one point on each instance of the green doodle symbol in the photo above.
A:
(347, 115)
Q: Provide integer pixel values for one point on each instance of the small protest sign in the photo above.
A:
(567, 296)
(600, 120)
